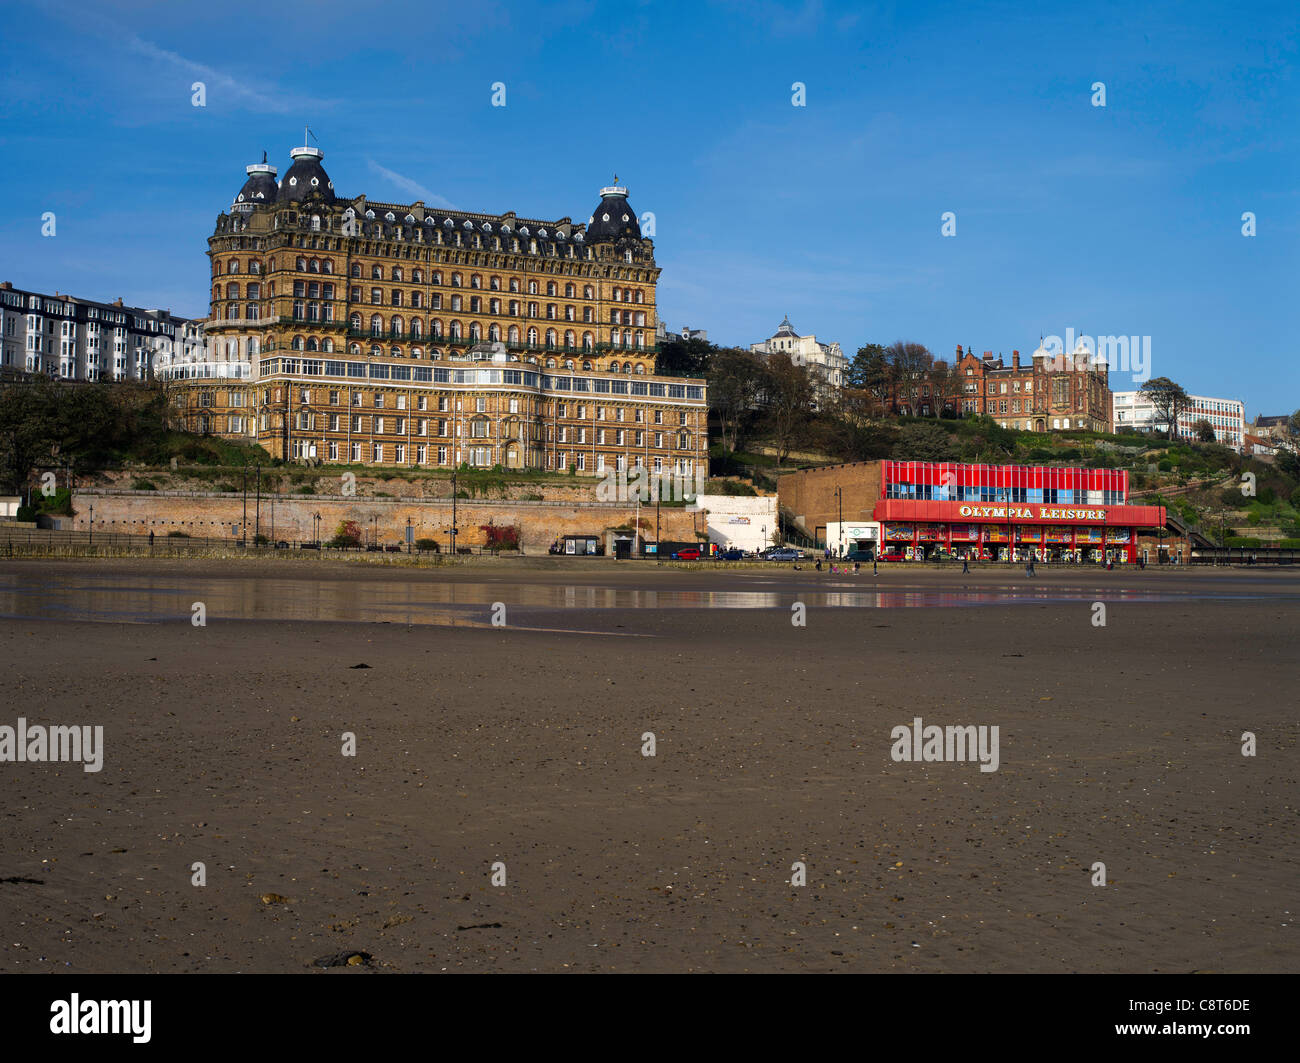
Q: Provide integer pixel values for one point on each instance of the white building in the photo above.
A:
(77, 339)
(1133, 409)
(740, 522)
(825, 360)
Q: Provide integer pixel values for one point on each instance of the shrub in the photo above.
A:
(1165, 465)
(143, 485)
(260, 540)
(1289, 544)
(500, 537)
(348, 533)
(305, 489)
(178, 535)
(428, 544)
(1239, 542)
(26, 513)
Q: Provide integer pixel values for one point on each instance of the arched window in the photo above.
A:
(232, 291)
(494, 333)
(588, 341)
(627, 367)
(455, 280)
(375, 350)
(298, 344)
(455, 330)
(327, 266)
(550, 337)
(417, 352)
(532, 337)
(326, 345)
(455, 302)
(435, 328)
(376, 273)
(376, 324)
(313, 266)
(356, 269)
(513, 335)
(568, 363)
(586, 364)
(550, 363)
(436, 278)
(397, 273)
(417, 276)
(640, 369)
(354, 349)
(301, 264)
(568, 340)
(475, 333)
(395, 325)
(417, 328)
(475, 281)
(396, 352)
(569, 290)
(311, 343)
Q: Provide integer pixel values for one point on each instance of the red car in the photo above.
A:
(690, 553)
(892, 555)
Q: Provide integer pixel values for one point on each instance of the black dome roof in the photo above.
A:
(614, 219)
(306, 175)
(260, 186)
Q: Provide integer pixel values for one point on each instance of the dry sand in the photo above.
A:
(1119, 744)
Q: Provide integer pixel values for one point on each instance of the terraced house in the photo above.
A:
(349, 330)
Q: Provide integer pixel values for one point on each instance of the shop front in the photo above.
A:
(1010, 513)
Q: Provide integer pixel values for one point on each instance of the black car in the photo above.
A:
(731, 555)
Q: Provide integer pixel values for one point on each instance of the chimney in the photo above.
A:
(117, 301)
(6, 285)
(959, 352)
(1015, 359)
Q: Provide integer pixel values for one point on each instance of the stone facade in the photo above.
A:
(354, 331)
(292, 517)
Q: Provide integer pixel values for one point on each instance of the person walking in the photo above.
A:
(150, 538)
(965, 565)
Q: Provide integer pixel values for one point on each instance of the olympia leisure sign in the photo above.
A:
(1032, 512)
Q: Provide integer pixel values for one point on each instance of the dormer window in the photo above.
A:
(390, 216)
(370, 215)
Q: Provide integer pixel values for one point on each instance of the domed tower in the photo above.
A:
(260, 188)
(614, 231)
(306, 176)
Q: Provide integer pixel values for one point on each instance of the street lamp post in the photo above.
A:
(453, 511)
(257, 507)
(839, 495)
(92, 524)
(409, 537)
(243, 527)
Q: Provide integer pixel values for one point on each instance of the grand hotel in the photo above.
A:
(348, 330)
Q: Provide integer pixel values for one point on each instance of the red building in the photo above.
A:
(925, 508)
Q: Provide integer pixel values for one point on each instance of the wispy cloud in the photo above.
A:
(219, 83)
(414, 188)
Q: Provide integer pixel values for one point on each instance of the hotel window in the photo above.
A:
(400, 453)
(378, 452)
(480, 404)
(379, 400)
(356, 451)
(639, 438)
(379, 425)
(334, 450)
(442, 455)
(422, 428)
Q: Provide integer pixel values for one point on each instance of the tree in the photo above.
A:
(869, 372)
(29, 428)
(735, 379)
(1168, 400)
(679, 357)
(1204, 431)
(909, 368)
(788, 396)
(945, 386)
(924, 442)
(1294, 423)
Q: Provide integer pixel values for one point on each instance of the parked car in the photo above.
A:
(734, 554)
(689, 553)
(892, 555)
(859, 555)
(783, 553)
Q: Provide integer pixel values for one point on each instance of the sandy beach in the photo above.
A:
(523, 745)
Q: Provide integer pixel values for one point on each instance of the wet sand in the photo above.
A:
(1119, 744)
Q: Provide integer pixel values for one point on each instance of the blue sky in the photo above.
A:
(1117, 220)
